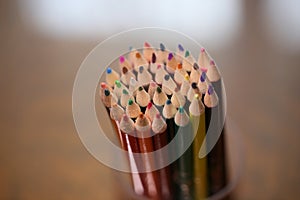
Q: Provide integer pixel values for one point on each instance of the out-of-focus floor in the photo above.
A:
(41, 155)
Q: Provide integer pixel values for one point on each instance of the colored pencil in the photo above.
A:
(184, 173)
(197, 115)
(218, 177)
(144, 137)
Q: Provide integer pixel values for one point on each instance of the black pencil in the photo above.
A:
(217, 156)
(184, 173)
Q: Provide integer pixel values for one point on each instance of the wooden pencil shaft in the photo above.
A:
(217, 157)
(185, 163)
(160, 140)
(183, 175)
(200, 165)
(150, 180)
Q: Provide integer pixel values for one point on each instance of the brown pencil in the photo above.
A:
(159, 127)
(144, 137)
(130, 144)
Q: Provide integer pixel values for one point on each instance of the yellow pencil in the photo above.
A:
(197, 116)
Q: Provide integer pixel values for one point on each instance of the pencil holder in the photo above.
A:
(161, 112)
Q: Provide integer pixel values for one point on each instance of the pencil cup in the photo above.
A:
(234, 161)
(162, 111)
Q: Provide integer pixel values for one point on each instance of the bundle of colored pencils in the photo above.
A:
(157, 93)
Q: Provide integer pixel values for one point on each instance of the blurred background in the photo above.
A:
(43, 42)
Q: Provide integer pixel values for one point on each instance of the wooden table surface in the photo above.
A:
(42, 156)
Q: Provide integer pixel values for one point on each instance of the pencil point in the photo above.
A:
(124, 70)
(141, 88)
(108, 70)
(158, 89)
(170, 56)
(158, 115)
(122, 59)
(167, 77)
(153, 58)
(162, 47)
(118, 83)
(106, 92)
(180, 47)
(103, 85)
(138, 55)
(149, 105)
(130, 102)
(141, 69)
(210, 89)
(146, 44)
(187, 53)
(194, 85)
(141, 115)
(125, 91)
(179, 66)
(195, 66)
(203, 77)
(168, 102)
(180, 109)
(186, 77)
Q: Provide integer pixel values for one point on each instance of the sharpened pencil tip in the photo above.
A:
(146, 44)
(187, 77)
(168, 102)
(170, 56)
(210, 89)
(162, 47)
(158, 89)
(141, 115)
(138, 55)
(196, 66)
(153, 58)
(103, 85)
(125, 91)
(149, 105)
(203, 77)
(179, 66)
(194, 85)
(141, 69)
(108, 70)
(118, 83)
(180, 47)
(122, 59)
(180, 109)
(130, 102)
(124, 70)
(167, 77)
(187, 53)
(106, 92)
